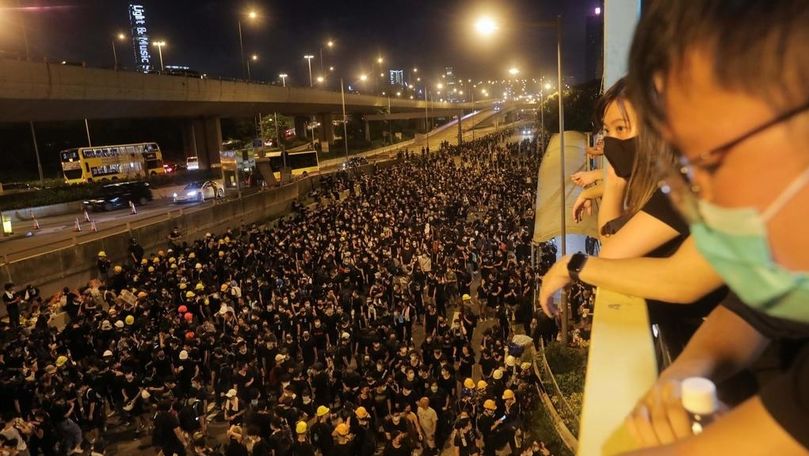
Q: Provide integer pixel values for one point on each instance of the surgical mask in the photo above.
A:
(621, 155)
(735, 242)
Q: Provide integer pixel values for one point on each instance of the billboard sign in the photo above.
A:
(140, 37)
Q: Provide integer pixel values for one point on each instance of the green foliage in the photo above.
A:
(540, 428)
(568, 365)
(268, 127)
(579, 103)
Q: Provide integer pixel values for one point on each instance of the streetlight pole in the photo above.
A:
(283, 77)
(36, 151)
(159, 45)
(254, 58)
(309, 62)
(345, 118)
(426, 118)
(114, 56)
(241, 48)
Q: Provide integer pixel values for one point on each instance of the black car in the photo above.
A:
(116, 196)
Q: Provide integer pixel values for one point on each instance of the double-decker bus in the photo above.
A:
(298, 162)
(110, 163)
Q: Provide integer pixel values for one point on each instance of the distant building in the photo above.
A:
(449, 77)
(397, 77)
(594, 42)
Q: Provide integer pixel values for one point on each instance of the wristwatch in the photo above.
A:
(576, 264)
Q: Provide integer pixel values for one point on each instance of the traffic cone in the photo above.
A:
(76, 226)
(132, 210)
(86, 216)
(93, 226)
(36, 224)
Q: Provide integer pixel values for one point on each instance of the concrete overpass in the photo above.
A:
(42, 91)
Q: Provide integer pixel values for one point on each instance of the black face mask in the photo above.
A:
(621, 155)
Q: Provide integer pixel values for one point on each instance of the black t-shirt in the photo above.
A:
(164, 425)
(677, 322)
(786, 397)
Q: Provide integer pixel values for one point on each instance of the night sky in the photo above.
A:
(203, 34)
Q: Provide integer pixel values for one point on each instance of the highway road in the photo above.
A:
(59, 231)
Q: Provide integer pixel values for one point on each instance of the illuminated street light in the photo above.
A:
(320, 79)
(513, 71)
(120, 37)
(548, 86)
(398, 94)
(254, 58)
(415, 70)
(159, 45)
(309, 58)
(252, 15)
(381, 75)
(440, 86)
(379, 60)
(331, 68)
(486, 26)
(363, 77)
(330, 43)
(283, 77)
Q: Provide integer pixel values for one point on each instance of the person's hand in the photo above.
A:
(554, 280)
(581, 207)
(659, 417)
(585, 178)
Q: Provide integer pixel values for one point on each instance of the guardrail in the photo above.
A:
(621, 367)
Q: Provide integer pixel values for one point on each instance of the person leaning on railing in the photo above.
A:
(635, 219)
(727, 83)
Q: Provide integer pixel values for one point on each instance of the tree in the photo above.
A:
(268, 127)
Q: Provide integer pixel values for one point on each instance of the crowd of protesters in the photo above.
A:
(300, 335)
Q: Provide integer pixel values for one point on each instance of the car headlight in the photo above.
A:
(193, 193)
(174, 195)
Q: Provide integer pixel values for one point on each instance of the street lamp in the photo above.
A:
(283, 77)
(253, 58)
(251, 16)
(160, 45)
(320, 79)
(363, 77)
(513, 71)
(309, 58)
(119, 37)
(329, 44)
(486, 27)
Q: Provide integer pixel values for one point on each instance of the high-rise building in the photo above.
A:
(396, 77)
(449, 77)
(140, 37)
(594, 42)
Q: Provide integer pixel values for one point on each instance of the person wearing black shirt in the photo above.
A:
(167, 434)
(12, 300)
(398, 446)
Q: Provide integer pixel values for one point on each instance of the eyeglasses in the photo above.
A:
(678, 181)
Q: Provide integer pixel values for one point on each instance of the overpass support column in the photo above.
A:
(460, 127)
(367, 130)
(300, 126)
(326, 127)
(203, 138)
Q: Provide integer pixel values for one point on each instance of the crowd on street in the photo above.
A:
(344, 328)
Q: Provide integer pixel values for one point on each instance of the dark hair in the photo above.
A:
(616, 93)
(750, 42)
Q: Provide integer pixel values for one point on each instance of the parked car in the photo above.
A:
(354, 162)
(196, 192)
(116, 196)
(169, 167)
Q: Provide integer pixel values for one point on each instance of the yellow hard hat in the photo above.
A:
(469, 383)
(129, 320)
(183, 285)
(155, 260)
(144, 261)
(466, 297)
(151, 269)
(489, 404)
(482, 384)
(161, 253)
(511, 361)
(342, 429)
(102, 253)
(118, 269)
(508, 394)
(189, 294)
(60, 361)
(173, 266)
(143, 294)
(199, 286)
(497, 374)
(361, 412)
(300, 428)
(223, 288)
(525, 365)
(172, 260)
(322, 410)
(192, 255)
(221, 254)
(198, 266)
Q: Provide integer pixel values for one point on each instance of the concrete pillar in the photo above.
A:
(367, 130)
(326, 127)
(460, 127)
(202, 137)
(620, 19)
(300, 126)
